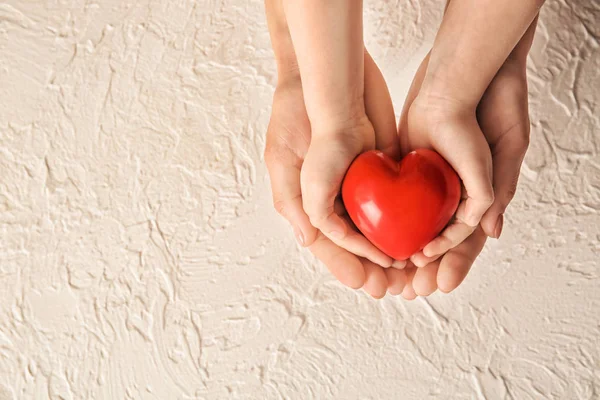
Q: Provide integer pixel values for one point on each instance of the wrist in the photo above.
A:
(443, 94)
(281, 42)
(355, 130)
(429, 112)
(287, 69)
(285, 57)
(334, 104)
(335, 116)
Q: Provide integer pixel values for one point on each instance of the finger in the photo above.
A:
(507, 165)
(450, 237)
(425, 280)
(380, 110)
(357, 244)
(343, 265)
(508, 134)
(408, 292)
(457, 137)
(321, 176)
(396, 280)
(461, 142)
(376, 282)
(455, 264)
(420, 260)
(287, 200)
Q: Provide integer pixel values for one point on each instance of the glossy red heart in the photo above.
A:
(401, 206)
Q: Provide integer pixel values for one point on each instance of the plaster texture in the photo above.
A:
(140, 257)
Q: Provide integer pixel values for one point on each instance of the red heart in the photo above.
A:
(400, 207)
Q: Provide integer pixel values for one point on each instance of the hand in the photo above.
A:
(445, 273)
(288, 140)
(503, 115)
(328, 41)
(466, 56)
(328, 158)
(504, 118)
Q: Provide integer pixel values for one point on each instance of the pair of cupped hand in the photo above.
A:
(468, 101)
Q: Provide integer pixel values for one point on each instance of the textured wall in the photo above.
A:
(140, 257)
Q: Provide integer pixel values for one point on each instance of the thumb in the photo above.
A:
(287, 200)
(507, 165)
(323, 170)
(460, 141)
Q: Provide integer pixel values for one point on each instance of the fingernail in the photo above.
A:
(429, 253)
(299, 236)
(400, 264)
(499, 225)
(416, 261)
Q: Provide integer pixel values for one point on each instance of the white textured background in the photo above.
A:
(140, 257)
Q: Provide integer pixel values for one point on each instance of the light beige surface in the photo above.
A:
(140, 257)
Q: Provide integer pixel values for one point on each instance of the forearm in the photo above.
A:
(475, 39)
(328, 42)
(281, 41)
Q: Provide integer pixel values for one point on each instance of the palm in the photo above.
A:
(289, 127)
(503, 108)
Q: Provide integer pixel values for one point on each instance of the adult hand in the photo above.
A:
(289, 137)
(467, 55)
(503, 117)
(327, 37)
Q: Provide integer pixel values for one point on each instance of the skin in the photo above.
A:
(467, 55)
(301, 127)
(332, 63)
(504, 119)
(289, 138)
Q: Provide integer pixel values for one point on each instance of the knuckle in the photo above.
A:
(316, 219)
(446, 241)
(316, 190)
(487, 197)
